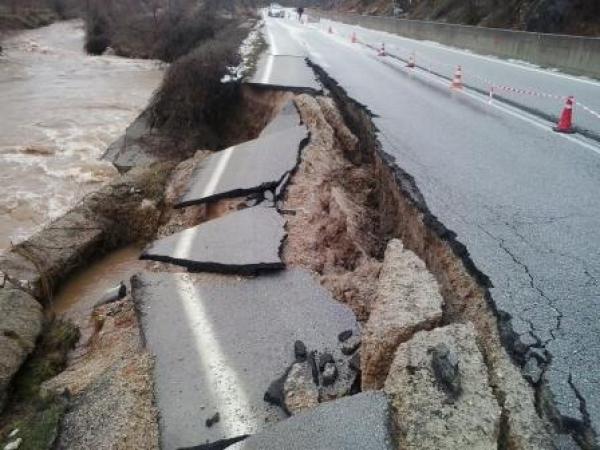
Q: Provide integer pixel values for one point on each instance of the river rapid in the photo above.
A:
(59, 110)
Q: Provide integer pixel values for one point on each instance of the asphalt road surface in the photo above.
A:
(522, 198)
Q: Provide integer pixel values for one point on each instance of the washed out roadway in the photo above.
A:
(523, 199)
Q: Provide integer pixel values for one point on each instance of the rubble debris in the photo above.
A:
(299, 390)
(329, 374)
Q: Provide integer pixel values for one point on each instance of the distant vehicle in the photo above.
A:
(276, 10)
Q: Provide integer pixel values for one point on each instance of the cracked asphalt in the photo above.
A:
(522, 199)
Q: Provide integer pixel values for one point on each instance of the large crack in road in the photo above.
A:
(524, 350)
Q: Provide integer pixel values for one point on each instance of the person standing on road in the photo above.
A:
(300, 11)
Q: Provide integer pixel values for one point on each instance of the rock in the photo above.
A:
(444, 363)
(408, 300)
(274, 394)
(345, 335)
(299, 390)
(423, 415)
(325, 358)
(361, 421)
(13, 433)
(21, 319)
(330, 374)
(300, 351)
(532, 371)
(351, 345)
(212, 420)
(113, 295)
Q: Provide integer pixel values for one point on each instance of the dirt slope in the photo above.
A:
(581, 17)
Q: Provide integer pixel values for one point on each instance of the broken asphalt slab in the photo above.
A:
(220, 341)
(285, 72)
(253, 166)
(245, 241)
(361, 421)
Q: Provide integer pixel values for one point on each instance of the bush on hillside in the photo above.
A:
(193, 102)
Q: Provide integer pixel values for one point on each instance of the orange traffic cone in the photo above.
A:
(457, 81)
(330, 30)
(411, 61)
(353, 38)
(381, 50)
(565, 124)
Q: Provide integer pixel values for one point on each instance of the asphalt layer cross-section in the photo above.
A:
(220, 341)
(523, 200)
(253, 166)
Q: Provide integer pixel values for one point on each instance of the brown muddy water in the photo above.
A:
(59, 110)
(78, 295)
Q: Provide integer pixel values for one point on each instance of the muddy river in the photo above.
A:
(59, 110)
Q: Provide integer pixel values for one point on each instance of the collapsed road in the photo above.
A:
(304, 291)
(521, 198)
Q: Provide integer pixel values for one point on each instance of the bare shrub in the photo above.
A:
(192, 101)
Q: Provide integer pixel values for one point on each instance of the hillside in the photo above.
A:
(579, 17)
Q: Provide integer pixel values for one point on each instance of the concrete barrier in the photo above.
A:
(573, 54)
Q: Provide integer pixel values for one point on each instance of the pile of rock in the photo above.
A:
(317, 376)
(434, 375)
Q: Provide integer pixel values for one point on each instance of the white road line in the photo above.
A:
(270, 57)
(442, 47)
(218, 172)
(215, 370)
(541, 125)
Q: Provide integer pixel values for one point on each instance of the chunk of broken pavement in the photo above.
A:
(424, 416)
(351, 345)
(361, 421)
(408, 300)
(329, 374)
(300, 351)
